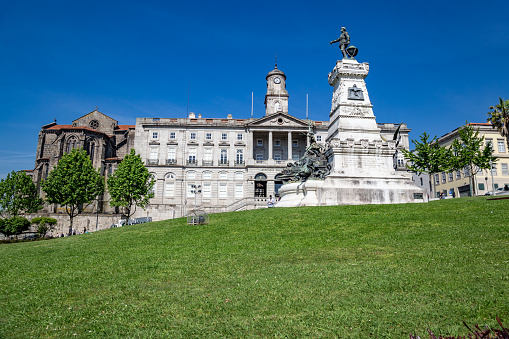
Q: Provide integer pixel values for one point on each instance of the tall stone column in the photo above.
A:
(250, 145)
(290, 145)
(270, 145)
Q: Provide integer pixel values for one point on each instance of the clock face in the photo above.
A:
(277, 80)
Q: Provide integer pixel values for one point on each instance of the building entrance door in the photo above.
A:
(464, 191)
(260, 185)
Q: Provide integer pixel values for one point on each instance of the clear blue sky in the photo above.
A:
(433, 64)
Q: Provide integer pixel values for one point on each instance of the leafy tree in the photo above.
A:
(499, 117)
(18, 194)
(14, 225)
(73, 183)
(130, 184)
(44, 224)
(428, 157)
(470, 152)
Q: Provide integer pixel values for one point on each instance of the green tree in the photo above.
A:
(470, 152)
(73, 183)
(14, 226)
(44, 224)
(18, 195)
(499, 117)
(130, 184)
(427, 157)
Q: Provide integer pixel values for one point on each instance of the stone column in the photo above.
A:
(250, 145)
(290, 142)
(270, 145)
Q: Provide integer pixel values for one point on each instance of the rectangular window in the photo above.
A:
(224, 155)
(173, 135)
(207, 175)
(168, 190)
(458, 175)
(223, 190)
(172, 152)
(240, 136)
(239, 176)
(240, 156)
(501, 146)
(155, 135)
(208, 136)
(437, 179)
(191, 175)
(223, 175)
(505, 170)
(259, 142)
(421, 181)
(224, 136)
(190, 193)
(443, 178)
(206, 190)
(153, 153)
(295, 143)
(494, 169)
(207, 156)
(466, 172)
(495, 185)
(318, 138)
(193, 136)
(481, 187)
(277, 157)
(277, 143)
(239, 190)
(451, 176)
(192, 155)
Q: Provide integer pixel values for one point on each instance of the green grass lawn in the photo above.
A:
(380, 271)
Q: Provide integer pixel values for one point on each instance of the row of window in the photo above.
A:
(466, 173)
(500, 144)
(224, 136)
(206, 190)
(206, 175)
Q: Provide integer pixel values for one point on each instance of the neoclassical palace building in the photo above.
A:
(214, 164)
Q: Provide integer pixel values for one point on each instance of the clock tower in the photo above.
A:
(276, 99)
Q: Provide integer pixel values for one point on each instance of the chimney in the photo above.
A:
(229, 116)
(199, 115)
(192, 115)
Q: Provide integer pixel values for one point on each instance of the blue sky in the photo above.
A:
(433, 64)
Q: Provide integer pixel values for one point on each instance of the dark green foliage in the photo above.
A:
(499, 117)
(44, 224)
(13, 226)
(130, 185)
(428, 157)
(73, 183)
(18, 195)
(470, 152)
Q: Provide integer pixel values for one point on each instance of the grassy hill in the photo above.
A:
(380, 271)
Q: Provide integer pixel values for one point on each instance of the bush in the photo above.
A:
(14, 226)
(44, 224)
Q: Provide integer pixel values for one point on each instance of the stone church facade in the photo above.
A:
(232, 163)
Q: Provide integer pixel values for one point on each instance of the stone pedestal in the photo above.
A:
(362, 163)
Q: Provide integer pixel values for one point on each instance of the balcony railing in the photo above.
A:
(223, 162)
(192, 162)
(152, 161)
(207, 162)
(239, 163)
(171, 161)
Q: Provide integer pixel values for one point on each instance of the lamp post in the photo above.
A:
(492, 183)
(196, 189)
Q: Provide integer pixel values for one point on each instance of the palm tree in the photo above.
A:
(499, 117)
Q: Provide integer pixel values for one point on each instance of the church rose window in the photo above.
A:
(94, 124)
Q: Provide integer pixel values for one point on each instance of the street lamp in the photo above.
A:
(195, 189)
(492, 183)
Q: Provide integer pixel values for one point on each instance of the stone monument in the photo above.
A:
(361, 162)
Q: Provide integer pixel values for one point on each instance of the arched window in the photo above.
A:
(90, 148)
(72, 143)
(154, 188)
(260, 185)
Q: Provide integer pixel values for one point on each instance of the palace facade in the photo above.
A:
(213, 164)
